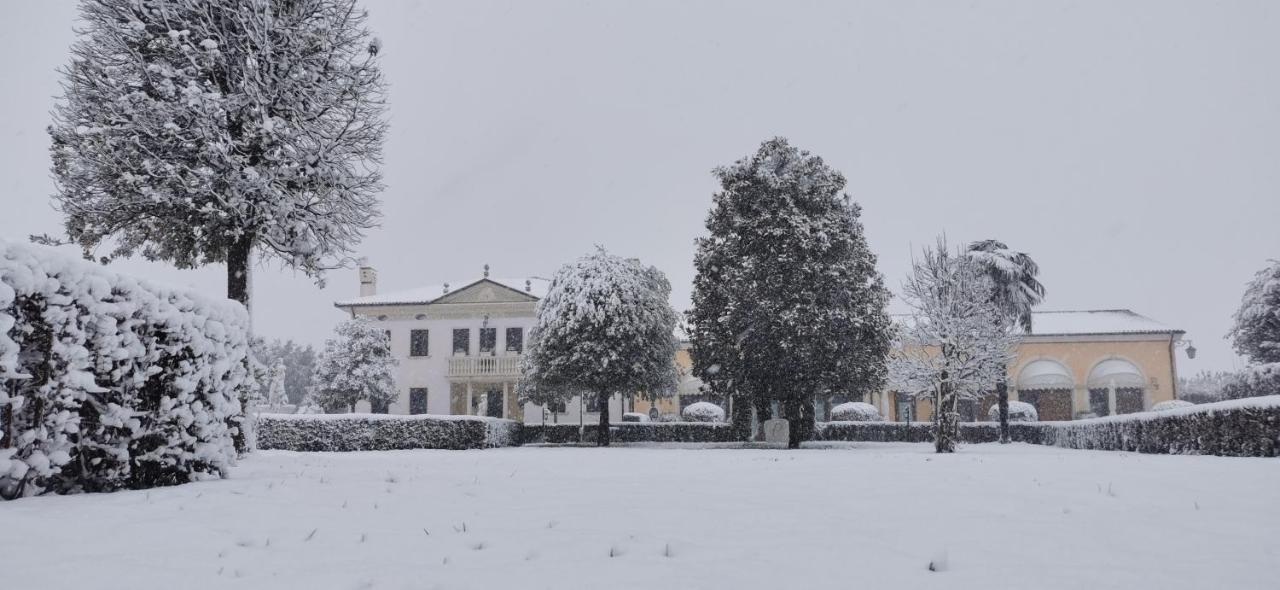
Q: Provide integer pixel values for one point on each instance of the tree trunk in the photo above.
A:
(238, 271)
(1002, 399)
(740, 418)
(947, 418)
(795, 417)
(602, 432)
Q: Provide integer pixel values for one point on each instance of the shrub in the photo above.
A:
(1171, 404)
(1018, 412)
(632, 432)
(703, 412)
(855, 412)
(383, 432)
(109, 382)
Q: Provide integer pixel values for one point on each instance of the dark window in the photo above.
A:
(461, 341)
(493, 403)
(515, 340)
(556, 407)
(593, 402)
(418, 399)
(418, 343)
(1099, 403)
(488, 340)
(379, 407)
(905, 406)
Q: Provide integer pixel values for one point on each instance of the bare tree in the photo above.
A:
(956, 342)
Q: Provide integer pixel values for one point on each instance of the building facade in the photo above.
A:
(459, 345)
(459, 348)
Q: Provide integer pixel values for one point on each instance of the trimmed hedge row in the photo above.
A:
(631, 432)
(383, 432)
(1237, 428)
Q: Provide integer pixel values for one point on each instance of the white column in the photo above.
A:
(505, 410)
(467, 410)
(1111, 398)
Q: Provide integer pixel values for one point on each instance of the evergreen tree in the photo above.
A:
(956, 342)
(356, 365)
(1015, 291)
(1255, 332)
(787, 302)
(605, 326)
(203, 131)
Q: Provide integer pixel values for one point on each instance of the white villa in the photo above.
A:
(459, 345)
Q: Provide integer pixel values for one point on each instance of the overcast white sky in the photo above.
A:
(1133, 148)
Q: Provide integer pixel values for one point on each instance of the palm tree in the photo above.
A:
(1016, 292)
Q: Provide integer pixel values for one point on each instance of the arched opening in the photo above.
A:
(1116, 386)
(1047, 385)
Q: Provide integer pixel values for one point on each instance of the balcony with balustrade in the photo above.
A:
(484, 367)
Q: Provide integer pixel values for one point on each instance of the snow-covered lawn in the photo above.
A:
(855, 516)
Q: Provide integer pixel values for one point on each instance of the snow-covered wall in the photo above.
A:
(383, 432)
(110, 382)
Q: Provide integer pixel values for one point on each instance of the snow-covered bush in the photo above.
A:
(1171, 404)
(1018, 412)
(635, 417)
(855, 412)
(356, 365)
(631, 432)
(383, 432)
(110, 382)
(703, 412)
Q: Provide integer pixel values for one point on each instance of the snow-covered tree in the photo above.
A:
(605, 326)
(787, 301)
(1015, 292)
(1256, 329)
(299, 362)
(356, 365)
(955, 343)
(204, 131)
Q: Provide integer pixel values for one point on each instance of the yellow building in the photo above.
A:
(1073, 364)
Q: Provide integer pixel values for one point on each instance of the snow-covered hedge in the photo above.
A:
(855, 412)
(110, 382)
(1171, 404)
(1239, 428)
(383, 432)
(1018, 412)
(703, 412)
(631, 432)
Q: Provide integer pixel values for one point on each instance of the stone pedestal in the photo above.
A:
(777, 431)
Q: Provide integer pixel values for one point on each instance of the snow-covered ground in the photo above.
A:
(852, 516)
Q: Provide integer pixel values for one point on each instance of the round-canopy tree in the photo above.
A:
(200, 131)
(606, 326)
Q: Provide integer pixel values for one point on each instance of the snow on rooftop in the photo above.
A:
(429, 293)
(1098, 321)
(1088, 322)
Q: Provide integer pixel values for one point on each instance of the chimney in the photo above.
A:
(368, 279)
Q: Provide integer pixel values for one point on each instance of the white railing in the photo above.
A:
(484, 366)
